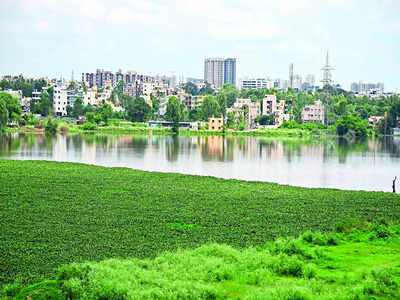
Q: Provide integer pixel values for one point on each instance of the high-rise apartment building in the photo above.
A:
(361, 87)
(218, 71)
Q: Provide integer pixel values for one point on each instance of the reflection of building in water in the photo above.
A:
(60, 152)
(270, 150)
(89, 153)
(216, 147)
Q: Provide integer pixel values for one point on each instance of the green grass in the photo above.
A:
(313, 266)
(58, 213)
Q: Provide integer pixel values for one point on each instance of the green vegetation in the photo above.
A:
(25, 85)
(59, 213)
(138, 110)
(3, 115)
(51, 126)
(360, 261)
(350, 125)
(174, 113)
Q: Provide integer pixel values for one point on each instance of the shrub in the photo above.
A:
(287, 266)
(89, 126)
(51, 126)
(352, 125)
(139, 124)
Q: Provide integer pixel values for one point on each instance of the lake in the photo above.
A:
(334, 163)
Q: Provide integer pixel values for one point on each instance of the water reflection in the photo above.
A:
(341, 163)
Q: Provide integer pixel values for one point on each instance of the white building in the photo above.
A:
(60, 99)
(241, 101)
(89, 97)
(148, 88)
(256, 83)
(313, 113)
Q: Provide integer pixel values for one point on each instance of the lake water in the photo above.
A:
(334, 163)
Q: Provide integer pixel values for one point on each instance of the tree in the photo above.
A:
(231, 94)
(5, 84)
(230, 120)
(45, 105)
(195, 115)
(106, 112)
(51, 126)
(78, 108)
(206, 90)
(90, 117)
(222, 100)
(69, 110)
(72, 85)
(210, 107)
(352, 125)
(3, 115)
(138, 110)
(191, 88)
(155, 105)
(266, 120)
(174, 113)
(13, 107)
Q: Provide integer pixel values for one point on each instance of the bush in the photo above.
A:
(290, 125)
(139, 124)
(351, 125)
(89, 126)
(51, 126)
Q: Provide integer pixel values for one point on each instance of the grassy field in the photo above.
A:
(362, 263)
(58, 213)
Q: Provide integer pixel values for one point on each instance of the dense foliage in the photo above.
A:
(352, 125)
(51, 126)
(3, 115)
(174, 113)
(138, 110)
(25, 85)
(312, 266)
(56, 213)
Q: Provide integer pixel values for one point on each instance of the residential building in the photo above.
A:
(280, 113)
(254, 111)
(218, 71)
(230, 71)
(313, 113)
(36, 95)
(130, 89)
(281, 84)
(364, 88)
(256, 83)
(60, 97)
(104, 78)
(297, 82)
(90, 96)
(72, 95)
(215, 123)
(192, 102)
(241, 101)
(310, 80)
(269, 104)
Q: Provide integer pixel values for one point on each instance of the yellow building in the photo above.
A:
(215, 123)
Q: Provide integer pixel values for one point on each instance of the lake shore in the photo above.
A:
(76, 212)
(272, 132)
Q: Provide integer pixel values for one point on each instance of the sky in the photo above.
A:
(53, 37)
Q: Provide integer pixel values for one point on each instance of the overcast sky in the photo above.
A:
(49, 37)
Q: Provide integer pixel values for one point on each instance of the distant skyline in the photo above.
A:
(52, 38)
